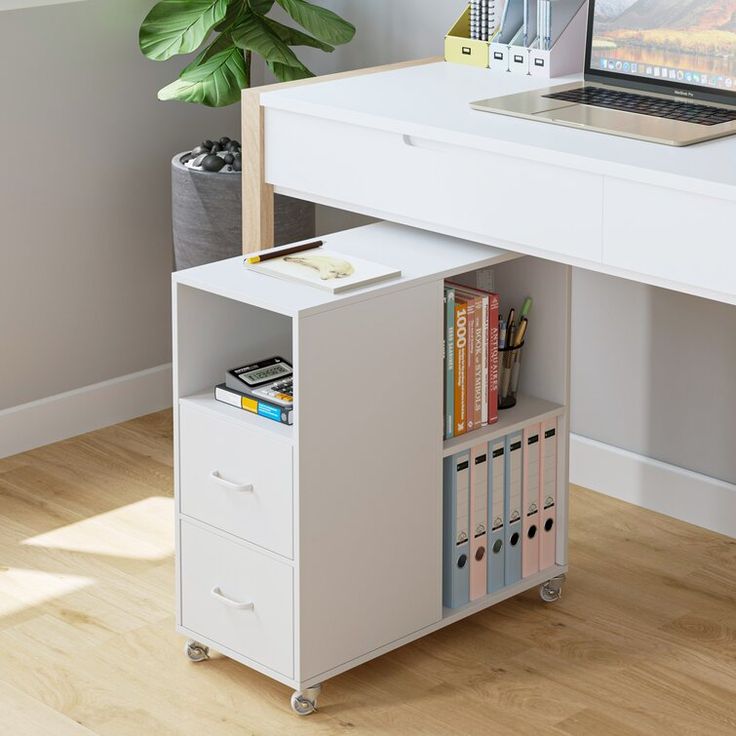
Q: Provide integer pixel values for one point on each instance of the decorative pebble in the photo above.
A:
(237, 165)
(216, 148)
(212, 163)
(232, 146)
(207, 144)
(199, 150)
(199, 159)
(228, 158)
(224, 141)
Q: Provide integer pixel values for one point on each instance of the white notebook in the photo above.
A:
(325, 269)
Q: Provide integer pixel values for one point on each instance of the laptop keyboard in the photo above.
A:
(658, 107)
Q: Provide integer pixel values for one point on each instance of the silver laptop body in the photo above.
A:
(631, 78)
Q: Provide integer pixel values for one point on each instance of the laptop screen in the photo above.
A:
(684, 44)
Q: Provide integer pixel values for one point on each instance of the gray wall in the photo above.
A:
(654, 371)
(85, 243)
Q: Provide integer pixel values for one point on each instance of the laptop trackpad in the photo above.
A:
(592, 117)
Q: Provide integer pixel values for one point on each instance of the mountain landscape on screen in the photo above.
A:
(705, 27)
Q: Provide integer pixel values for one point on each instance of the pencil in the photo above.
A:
(267, 255)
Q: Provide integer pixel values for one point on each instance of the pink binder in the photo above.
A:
(478, 521)
(530, 501)
(548, 528)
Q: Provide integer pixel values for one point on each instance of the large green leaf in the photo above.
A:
(179, 26)
(254, 34)
(320, 22)
(286, 73)
(260, 6)
(235, 8)
(295, 37)
(216, 81)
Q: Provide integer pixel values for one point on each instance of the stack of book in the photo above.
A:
(470, 359)
(265, 388)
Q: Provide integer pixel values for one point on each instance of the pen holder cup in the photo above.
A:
(509, 367)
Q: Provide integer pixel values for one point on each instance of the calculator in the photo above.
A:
(271, 380)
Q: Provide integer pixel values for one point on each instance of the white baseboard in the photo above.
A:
(84, 409)
(667, 489)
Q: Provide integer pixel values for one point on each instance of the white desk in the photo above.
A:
(404, 145)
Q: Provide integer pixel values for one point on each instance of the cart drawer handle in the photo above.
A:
(217, 593)
(225, 483)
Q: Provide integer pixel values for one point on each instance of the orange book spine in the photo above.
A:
(461, 354)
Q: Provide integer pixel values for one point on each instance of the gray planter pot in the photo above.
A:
(207, 216)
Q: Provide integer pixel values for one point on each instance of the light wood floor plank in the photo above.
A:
(643, 642)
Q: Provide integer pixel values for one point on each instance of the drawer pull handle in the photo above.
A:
(225, 483)
(218, 594)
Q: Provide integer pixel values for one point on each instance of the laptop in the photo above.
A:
(656, 70)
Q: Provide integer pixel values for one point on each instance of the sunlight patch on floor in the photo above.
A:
(21, 588)
(143, 530)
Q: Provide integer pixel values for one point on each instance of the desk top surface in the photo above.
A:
(432, 101)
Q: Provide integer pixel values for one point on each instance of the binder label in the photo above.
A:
(462, 508)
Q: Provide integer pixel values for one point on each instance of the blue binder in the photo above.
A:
(496, 515)
(512, 482)
(456, 528)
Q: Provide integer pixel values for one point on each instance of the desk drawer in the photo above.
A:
(438, 185)
(236, 479)
(236, 597)
(698, 248)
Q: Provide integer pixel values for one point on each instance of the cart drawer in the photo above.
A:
(237, 597)
(440, 186)
(236, 479)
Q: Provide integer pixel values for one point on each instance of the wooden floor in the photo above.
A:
(644, 641)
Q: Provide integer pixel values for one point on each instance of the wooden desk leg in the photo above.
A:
(257, 193)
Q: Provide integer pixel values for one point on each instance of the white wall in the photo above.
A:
(85, 229)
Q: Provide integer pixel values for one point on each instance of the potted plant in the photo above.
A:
(206, 187)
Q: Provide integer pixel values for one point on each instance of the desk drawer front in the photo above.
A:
(698, 248)
(236, 479)
(220, 581)
(437, 184)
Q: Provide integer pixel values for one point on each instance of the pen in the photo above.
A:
(526, 307)
(521, 332)
(510, 328)
(267, 255)
(501, 334)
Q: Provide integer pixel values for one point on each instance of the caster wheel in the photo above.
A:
(304, 702)
(551, 591)
(195, 651)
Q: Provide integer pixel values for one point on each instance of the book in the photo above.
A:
(262, 408)
(325, 269)
(493, 317)
(477, 367)
(449, 362)
(489, 351)
(470, 366)
(461, 352)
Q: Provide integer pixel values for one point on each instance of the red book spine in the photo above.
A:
(461, 352)
(493, 315)
(470, 367)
